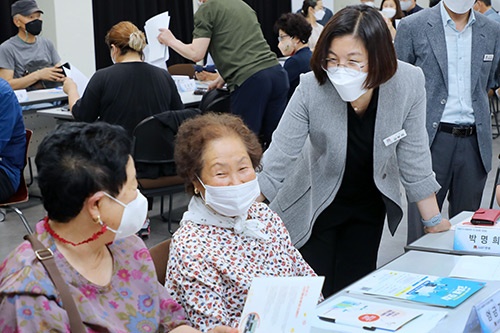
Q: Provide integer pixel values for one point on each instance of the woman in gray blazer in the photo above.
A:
(353, 131)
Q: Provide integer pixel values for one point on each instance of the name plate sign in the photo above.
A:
(475, 238)
(485, 315)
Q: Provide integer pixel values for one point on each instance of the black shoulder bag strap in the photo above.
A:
(46, 257)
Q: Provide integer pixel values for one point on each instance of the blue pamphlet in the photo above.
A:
(427, 289)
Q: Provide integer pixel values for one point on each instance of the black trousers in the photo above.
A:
(6, 189)
(344, 243)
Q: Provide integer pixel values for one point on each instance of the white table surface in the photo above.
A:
(44, 95)
(188, 99)
(437, 264)
(443, 242)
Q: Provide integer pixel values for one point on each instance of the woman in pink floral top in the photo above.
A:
(225, 238)
(87, 180)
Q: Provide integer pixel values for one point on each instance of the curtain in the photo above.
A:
(268, 13)
(7, 27)
(109, 12)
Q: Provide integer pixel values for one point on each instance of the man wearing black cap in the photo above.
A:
(26, 59)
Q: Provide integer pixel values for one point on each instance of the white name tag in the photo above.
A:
(485, 315)
(395, 137)
(488, 57)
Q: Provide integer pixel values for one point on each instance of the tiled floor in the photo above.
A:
(12, 230)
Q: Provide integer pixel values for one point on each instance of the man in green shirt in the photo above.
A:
(230, 31)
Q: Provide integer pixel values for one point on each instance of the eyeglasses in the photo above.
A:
(280, 37)
(334, 64)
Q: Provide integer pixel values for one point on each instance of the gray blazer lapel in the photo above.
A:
(478, 51)
(435, 33)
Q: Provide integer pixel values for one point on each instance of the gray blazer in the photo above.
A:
(420, 40)
(304, 165)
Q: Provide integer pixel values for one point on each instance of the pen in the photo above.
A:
(332, 320)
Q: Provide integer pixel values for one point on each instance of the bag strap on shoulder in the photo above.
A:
(46, 257)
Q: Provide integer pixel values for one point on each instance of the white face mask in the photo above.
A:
(133, 217)
(200, 2)
(286, 47)
(459, 6)
(405, 5)
(369, 4)
(231, 200)
(348, 82)
(389, 12)
(319, 14)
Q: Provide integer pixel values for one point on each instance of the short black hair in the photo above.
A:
(77, 160)
(486, 2)
(366, 24)
(294, 25)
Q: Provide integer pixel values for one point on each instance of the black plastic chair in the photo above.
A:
(217, 100)
(153, 153)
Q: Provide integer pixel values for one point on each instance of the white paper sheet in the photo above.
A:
(156, 54)
(281, 304)
(425, 323)
(76, 75)
(477, 268)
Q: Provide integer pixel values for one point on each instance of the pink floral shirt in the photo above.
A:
(211, 268)
(134, 301)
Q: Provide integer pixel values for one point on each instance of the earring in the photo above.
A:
(196, 191)
(97, 219)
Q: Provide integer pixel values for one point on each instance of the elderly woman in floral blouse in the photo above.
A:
(225, 238)
(87, 180)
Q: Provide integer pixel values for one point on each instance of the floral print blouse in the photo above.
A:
(210, 268)
(134, 301)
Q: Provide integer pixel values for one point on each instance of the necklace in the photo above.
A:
(65, 241)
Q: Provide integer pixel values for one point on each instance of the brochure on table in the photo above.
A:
(425, 322)
(426, 289)
(281, 304)
(369, 315)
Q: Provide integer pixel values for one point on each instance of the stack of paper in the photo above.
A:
(156, 53)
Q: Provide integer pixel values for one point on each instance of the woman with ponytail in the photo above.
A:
(313, 11)
(129, 90)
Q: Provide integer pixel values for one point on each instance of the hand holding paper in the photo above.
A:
(156, 54)
(166, 36)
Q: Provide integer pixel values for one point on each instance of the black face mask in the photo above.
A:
(34, 27)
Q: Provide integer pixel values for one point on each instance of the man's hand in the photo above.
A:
(218, 83)
(50, 74)
(166, 37)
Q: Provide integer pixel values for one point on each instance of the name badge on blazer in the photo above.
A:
(488, 57)
(395, 137)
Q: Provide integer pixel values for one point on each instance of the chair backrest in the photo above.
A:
(153, 143)
(182, 69)
(160, 254)
(21, 194)
(217, 100)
